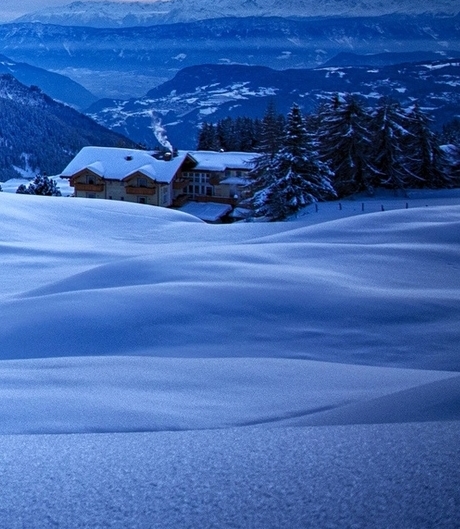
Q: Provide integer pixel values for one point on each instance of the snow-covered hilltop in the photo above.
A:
(125, 14)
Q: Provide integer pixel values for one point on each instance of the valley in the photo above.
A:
(127, 62)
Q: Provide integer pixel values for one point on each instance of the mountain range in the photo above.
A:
(59, 87)
(213, 92)
(127, 62)
(38, 134)
(128, 14)
(193, 61)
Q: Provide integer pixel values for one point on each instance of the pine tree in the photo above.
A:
(297, 176)
(22, 190)
(451, 132)
(226, 136)
(247, 140)
(271, 134)
(428, 164)
(392, 141)
(345, 144)
(207, 138)
(272, 130)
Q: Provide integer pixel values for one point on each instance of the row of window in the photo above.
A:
(195, 189)
(141, 181)
(196, 177)
(140, 200)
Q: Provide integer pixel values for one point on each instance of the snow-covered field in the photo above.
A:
(158, 371)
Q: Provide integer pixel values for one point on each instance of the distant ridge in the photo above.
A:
(128, 14)
(57, 86)
(209, 93)
(127, 62)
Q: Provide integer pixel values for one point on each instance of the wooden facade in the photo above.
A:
(134, 188)
(192, 176)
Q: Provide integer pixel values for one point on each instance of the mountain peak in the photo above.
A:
(105, 14)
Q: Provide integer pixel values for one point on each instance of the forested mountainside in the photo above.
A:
(209, 93)
(38, 134)
(59, 87)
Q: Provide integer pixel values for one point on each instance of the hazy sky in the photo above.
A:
(11, 9)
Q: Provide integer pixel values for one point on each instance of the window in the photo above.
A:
(141, 200)
(142, 182)
(165, 195)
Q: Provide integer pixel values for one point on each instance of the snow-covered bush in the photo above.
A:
(41, 185)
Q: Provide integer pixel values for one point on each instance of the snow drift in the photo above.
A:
(199, 323)
(298, 374)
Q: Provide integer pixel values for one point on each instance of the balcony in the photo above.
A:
(134, 190)
(94, 188)
(180, 183)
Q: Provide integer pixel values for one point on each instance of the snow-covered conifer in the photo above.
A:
(272, 130)
(296, 176)
(41, 185)
(428, 163)
(392, 140)
(22, 190)
(345, 144)
(262, 173)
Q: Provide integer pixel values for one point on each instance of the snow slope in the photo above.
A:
(297, 374)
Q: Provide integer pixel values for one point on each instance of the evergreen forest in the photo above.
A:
(341, 149)
(40, 135)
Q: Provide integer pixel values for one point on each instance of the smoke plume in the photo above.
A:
(160, 132)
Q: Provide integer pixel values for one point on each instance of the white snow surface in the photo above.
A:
(207, 211)
(158, 371)
(10, 186)
(220, 161)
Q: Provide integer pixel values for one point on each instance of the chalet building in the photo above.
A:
(124, 174)
(217, 176)
(159, 179)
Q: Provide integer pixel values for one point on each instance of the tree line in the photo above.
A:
(341, 149)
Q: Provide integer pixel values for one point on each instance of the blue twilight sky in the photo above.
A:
(11, 9)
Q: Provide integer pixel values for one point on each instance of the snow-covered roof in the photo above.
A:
(220, 161)
(116, 164)
(207, 211)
